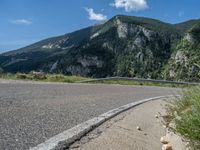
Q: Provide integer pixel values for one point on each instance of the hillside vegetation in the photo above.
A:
(39, 76)
(185, 61)
(123, 46)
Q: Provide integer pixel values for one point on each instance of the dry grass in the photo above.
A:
(36, 76)
(185, 111)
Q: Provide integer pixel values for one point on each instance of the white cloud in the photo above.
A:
(21, 22)
(131, 5)
(95, 16)
(180, 13)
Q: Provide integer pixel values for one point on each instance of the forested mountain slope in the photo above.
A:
(123, 46)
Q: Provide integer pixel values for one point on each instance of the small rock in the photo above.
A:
(156, 116)
(138, 128)
(164, 140)
(167, 147)
(74, 146)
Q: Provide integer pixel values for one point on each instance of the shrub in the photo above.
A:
(38, 75)
(21, 76)
(186, 113)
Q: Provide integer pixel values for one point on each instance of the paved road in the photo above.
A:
(32, 112)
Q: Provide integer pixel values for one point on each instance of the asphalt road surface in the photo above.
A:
(32, 112)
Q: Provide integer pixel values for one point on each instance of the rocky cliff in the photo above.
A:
(184, 63)
(123, 46)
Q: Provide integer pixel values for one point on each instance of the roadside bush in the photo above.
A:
(63, 78)
(38, 75)
(21, 76)
(186, 113)
(31, 76)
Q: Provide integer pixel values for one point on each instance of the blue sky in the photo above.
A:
(23, 22)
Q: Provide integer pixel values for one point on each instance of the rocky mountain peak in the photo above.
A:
(122, 46)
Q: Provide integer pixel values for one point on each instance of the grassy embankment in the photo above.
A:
(185, 113)
(72, 79)
(43, 77)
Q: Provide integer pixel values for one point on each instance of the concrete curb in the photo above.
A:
(64, 139)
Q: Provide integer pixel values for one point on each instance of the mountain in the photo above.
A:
(184, 63)
(123, 46)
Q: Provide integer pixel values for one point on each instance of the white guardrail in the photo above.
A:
(140, 80)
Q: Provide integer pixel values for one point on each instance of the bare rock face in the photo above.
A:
(181, 57)
(189, 38)
(88, 61)
(85, 63)
(78, 70)
(122, 29)
(56, 44)
(139, 42)
(54, 66)
(94, 35)
(147, 33)
(125, 29)
(49, 46)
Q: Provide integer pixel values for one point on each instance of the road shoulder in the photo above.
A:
(139, 128)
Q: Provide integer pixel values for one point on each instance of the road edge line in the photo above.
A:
(69, 136)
